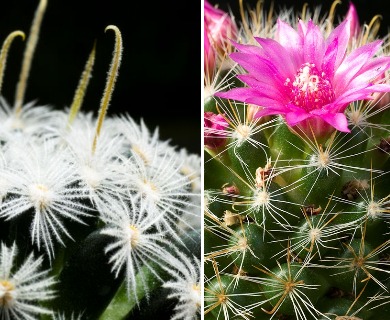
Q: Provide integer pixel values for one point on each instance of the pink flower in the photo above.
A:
(214, 130)
(381, 100)
(353, 20)
(209, 55)
(219, 27)
(307, 79)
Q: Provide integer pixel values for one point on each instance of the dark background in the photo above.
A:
(159, 78)
(366, 8)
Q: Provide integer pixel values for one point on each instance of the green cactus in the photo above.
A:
(297, 204)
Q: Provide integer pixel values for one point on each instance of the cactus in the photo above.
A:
(296, 165)
(99, 217)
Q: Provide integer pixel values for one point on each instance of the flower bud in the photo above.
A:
(214, 130)
(230, 189)
(219, 26)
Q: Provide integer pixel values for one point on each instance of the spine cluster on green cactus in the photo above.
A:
(296, 165)
(99, 217)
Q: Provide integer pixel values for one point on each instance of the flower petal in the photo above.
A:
(290, 40)
(380, 87)
(353, 95)
(371, 70)
(329, 61)
(342, 34)
(314, 44)
(269, 89)
(259, 67)
(279, 57)
(248, 48)
(352, 65)
(302, 29)
(336, 120)
(253, 96)
(294, 117)
(268, 112)
(353, 17)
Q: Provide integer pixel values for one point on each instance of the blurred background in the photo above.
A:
(366, 9)
(159, 79)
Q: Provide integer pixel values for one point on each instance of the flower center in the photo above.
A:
(242, 133)
(195, 294)
(40, 195)
(311, 89)
(242, 243)
(321, 160)
(134, 236)
(290, 285)
(261, 198)
(150, 190)
(222, 298)
(7, 294)
(374, 209)
(315, 234)
(91, 176)
(358, 262)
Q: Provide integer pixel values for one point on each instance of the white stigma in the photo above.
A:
(91, 177)
(322, 160)
(305, 81)
(242, 243)
(311, 88)
(242, 133)
(315, 234)
(356, 117)
(148, 189)
(40, 195)
(262, 198)
(134, 234)
(374, 209)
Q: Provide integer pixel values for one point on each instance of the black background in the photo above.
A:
(159, 78)
(366, 8)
